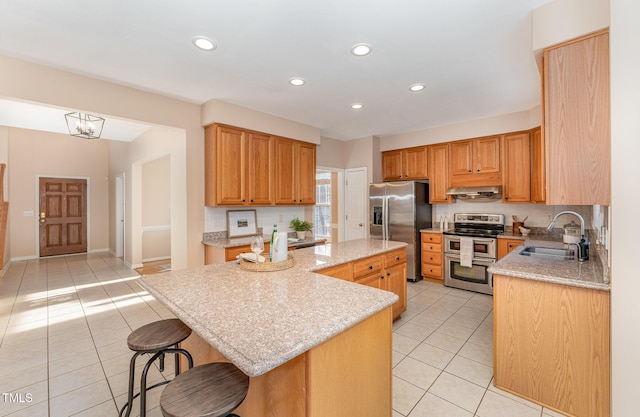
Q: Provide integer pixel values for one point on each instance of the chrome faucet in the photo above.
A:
(583, 246)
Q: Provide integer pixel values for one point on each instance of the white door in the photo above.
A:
(356, 203)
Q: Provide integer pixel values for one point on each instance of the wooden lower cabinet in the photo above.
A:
(552, 345)
(507, 245)
(342, 377)
(218, 255)
(387, 272)
(432, 256)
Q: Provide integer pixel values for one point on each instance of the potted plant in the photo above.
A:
(300, 226)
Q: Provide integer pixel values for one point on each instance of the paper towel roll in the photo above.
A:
(279, 247)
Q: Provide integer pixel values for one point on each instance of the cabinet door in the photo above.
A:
(285, 171)
(577, 122)
(372, 280)
(395, 280)
(392, 165)
(486, 153)
(438, 166)
(517, 168)
(306, 173)
(414, 163)
(260, 169)
(461, 157)
(230, 166)
(537, 167)
(507, 245)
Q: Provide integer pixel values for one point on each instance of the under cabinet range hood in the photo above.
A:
(476, 194)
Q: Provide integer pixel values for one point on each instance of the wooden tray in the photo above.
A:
(267, 266)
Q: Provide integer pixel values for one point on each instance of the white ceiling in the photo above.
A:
(474, 55)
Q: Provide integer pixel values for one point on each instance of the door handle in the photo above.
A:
(360, 224)
(43, 216)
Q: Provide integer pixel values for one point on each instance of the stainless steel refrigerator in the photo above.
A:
(397, 211)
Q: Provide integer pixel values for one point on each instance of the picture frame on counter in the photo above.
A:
(241, 223)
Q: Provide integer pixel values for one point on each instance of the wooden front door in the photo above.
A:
(63, 216)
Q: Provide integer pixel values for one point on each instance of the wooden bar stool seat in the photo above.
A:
(211, 390)
(157, 339)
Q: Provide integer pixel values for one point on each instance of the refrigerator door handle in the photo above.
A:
(385, 218)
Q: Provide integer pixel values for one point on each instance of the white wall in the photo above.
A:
(625, 154)
(562, 20)
(215, 111)
(511, 122)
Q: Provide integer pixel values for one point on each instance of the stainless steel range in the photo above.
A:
(470, 249)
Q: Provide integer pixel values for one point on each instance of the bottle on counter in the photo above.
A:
(273, 236)
(441, 222)
(446, 223)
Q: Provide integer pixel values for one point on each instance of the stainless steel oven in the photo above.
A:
(482, 230)
(475, 278)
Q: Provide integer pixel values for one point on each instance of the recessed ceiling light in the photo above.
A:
(297, 81)
(361, 49)
(357, 106)
(417, 87)
(204, 43)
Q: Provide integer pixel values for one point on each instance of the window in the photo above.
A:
(322, 209)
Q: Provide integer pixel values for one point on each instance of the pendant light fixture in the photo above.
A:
(84, 125)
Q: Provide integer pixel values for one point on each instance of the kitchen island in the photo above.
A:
(313, 345)
(552, 331)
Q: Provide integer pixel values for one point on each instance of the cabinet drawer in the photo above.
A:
(230, 254)
(433, 271)
(431, 238)
(339, 271)
(431, 247)
(394, 258)
(367, 266)
(432, 258)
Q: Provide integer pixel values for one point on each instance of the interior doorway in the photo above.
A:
(62, 216)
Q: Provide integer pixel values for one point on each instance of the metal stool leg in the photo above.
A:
(145, 371)
(132, 371)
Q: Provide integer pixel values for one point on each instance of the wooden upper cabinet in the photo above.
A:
(517, 168)
(224, 165)
(414, 163)
(243, 167)
(260, 169)
(475, 162)
(461, 157)
(576, 122)
(486, 154)
(295, 172)
(306, 175)
(538, 194)
(438, 164)
(392, 165)
(405, 164)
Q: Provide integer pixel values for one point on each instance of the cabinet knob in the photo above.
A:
(478, 169)
(388, 274)
(370, 266)
(243, 200)
(252, 200)
(397, 258)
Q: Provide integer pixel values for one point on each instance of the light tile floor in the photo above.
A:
(64, 323)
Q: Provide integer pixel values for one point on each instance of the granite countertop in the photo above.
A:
(260, 320)
(226, 242)
(588, 274)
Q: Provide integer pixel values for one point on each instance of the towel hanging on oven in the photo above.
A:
(466, 251)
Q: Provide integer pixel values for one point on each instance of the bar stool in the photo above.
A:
(211, 390)
(157, 338)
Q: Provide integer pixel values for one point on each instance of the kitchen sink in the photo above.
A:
(549, 253)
